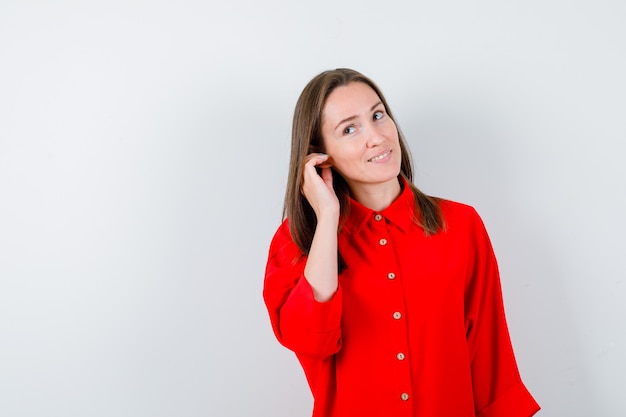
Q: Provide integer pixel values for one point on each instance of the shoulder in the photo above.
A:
(283, 230)
(282, 236)
(453, 211)
(462, 219)
(282, 248)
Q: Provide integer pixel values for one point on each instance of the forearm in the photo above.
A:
(321, 266)
(300, 323)
(310, 327)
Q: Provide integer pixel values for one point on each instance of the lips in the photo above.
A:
(380, 156)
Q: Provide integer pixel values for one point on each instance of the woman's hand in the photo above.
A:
(321, 266)
(318, 188)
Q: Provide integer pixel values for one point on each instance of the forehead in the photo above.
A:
(349, 100)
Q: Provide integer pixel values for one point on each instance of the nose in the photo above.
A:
(374, 137)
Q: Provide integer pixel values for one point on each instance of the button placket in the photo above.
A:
(399, 337)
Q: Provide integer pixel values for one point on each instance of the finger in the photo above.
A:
(327, 176)
(316, 159)
(326, 164)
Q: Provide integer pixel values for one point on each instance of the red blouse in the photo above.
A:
(416, 327)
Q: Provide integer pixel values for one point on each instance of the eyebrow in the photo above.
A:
(347, 119)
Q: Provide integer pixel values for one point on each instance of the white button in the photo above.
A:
(400, 356)
(378, 217)
(397, 315)
(404, 396)
(382, 242)
(391, 275)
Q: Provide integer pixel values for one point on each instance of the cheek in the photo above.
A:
(393, 132)
(343, 164)
(346, 156)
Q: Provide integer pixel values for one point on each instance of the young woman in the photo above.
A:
(390, 298)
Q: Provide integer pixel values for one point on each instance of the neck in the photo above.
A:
(376, 196)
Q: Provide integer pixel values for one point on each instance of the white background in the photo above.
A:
(143, 157)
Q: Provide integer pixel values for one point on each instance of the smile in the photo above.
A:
(379, 157)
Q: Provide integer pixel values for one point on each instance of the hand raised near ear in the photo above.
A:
(318, 187)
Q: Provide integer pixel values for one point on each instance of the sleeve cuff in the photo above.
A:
(323, 316)
(515, 402)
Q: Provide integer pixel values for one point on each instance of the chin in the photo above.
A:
(387, 178)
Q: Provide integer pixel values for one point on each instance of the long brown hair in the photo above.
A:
(306, 137)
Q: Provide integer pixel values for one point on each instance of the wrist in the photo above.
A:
(328, 218)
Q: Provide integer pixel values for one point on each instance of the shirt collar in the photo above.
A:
(400, 212)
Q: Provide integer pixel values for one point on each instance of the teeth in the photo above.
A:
(379, 157)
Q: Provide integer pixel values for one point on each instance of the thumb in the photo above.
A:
(327, 176)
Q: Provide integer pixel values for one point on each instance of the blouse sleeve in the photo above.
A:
(300, 322)
(498, 388)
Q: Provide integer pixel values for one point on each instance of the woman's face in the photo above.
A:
(360, 137)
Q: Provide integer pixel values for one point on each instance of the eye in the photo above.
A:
(348, 130)
(378, 115)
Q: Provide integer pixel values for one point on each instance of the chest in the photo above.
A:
(387, 266)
